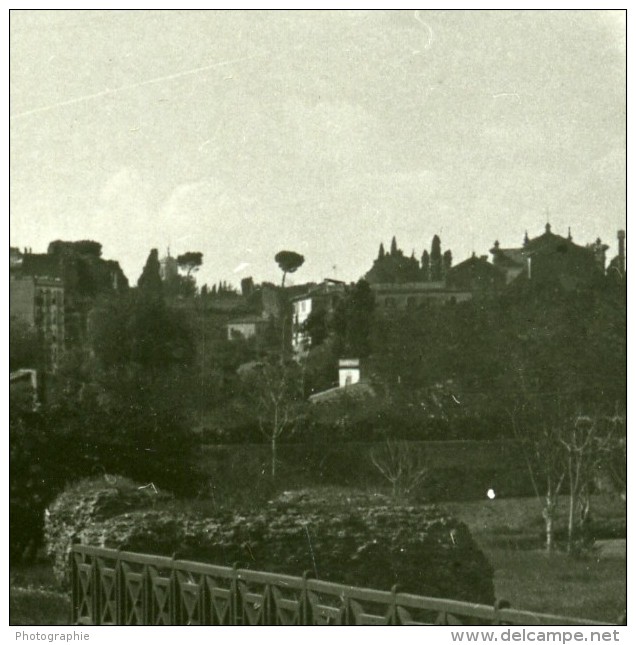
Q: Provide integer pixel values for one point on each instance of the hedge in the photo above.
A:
(457, 470)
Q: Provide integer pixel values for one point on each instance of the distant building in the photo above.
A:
(390, 297)
(618, 265)
(168, 267)
(39, 302)
(247, 327)
(67, 280)
(476, 275)
(349, 371)
(352, 383)
(550, 257)
(323, 297)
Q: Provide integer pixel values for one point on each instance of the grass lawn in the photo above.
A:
(510, 533)
(594, 588)
(38, 607)
(34, 598)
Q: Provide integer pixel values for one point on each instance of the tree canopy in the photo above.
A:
(190, 261)
(289, 262)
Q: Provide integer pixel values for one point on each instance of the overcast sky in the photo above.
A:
(242, 133)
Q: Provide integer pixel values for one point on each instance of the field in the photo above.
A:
(591, 586)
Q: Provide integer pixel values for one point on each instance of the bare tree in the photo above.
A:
(276, 392)
(539, 437)
(588, 442)
(615, 467)
(561, 445)
(400, 465)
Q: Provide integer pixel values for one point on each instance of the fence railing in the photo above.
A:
(111, 587)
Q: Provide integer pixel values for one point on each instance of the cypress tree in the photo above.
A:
(149, 282)
(381, 252)
(394, 248)
(447, 261)
(426, 266)
(436, 259)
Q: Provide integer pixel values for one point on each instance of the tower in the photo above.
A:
(621, 251)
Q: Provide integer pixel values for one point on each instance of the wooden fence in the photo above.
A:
(111, 587)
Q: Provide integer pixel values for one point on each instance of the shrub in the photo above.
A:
(38, 468)
(358, 539)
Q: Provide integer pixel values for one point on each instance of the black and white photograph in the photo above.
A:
(318, 317)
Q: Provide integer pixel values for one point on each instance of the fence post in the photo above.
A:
(345, 611)
(393, 617)
(269, 604)
(120, 590)
(235, 600)
(174, 598)
(74, 587)
(96, 596)
(500, 604)
(305, 611)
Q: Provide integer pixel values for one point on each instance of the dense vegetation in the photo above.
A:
(157, 376)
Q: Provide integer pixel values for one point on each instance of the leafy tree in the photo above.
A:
(160, 337)
(35, 476)
(126, 421)
(316, 327)
(109, 325)
(320, 367)
(190, 261)
(360, 306)
(289, 262)
(24, 345)
(149, 282)
(137, 330)
(81, 247)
